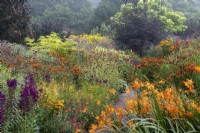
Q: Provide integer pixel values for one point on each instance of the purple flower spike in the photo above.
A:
(29, 94)
(12, 83)
(2, 99)
(2, 102)
(24, 101)
(1, 116)
(47, 78)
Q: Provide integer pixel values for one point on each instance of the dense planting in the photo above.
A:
(73, 84)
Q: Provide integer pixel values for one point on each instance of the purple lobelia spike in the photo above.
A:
(29, 94)
(2, 106)
(12, 84)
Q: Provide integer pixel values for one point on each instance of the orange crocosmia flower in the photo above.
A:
(197, 69)
(112, 91)
(120, 112)
(131, 103)
(127, 91)
(98, 102)
(130, 124)
(84, 109)
(78, 131)
(188, 114)
(149, 86)
(97, 118)
(93, 128)
(136, 85)
(103, 115)
(189, 85)
(110, 110)
(101, 123)
(108, 121)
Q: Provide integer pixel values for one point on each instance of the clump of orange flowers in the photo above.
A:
(112, 91)
(189, 85)
(76, 70)
(169, 101)
(190, 67)
(136, 85)
(152, 61)
(197, 68)
(103, 120)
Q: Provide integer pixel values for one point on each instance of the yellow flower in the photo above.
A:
(165, 43)
(149, 86)
(197, 69)
(112, 91)
(59, 104)
(161, 82)
(189, 85)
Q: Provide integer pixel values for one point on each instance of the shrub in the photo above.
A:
(51, 42)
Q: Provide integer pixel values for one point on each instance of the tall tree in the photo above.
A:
(105, 10)
(14, 20)
(138, 28)
(59, 15)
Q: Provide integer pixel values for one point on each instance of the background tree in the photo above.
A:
(138, 29)
(14, 20)
(60, 15)
(135, 31)
(103, 12)
(191, 9)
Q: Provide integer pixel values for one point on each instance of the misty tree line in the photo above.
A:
(145, 22)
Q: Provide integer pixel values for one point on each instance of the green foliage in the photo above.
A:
(51, 42)
(173, 21)
(14, 20)
(104, 30)
(106, 67)
(57, 16)
(189, 7)
(103, 12)
(101, 73)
